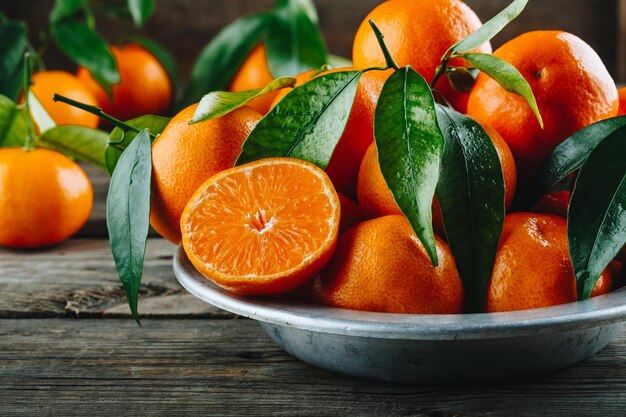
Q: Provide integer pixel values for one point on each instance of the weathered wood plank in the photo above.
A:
(226, 367)
(78, 278)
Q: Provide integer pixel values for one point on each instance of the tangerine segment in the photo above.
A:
(262, 228)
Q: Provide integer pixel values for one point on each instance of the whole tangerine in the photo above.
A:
(45, 197)
(380, 265)
(572, 87)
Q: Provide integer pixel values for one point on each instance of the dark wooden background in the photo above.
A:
(185, 26)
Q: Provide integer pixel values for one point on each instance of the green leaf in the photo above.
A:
(307, 123)
(490, 29)
(81, 43)
(13, 129)
(295, 42)
(596, 224)
(128, 214)
(162, 55)
(78, 142)
(118, 140)
(471, 195)
(141, 10)
(410, 146)
(66, 8)
(569, 156)
(507, 76)
(219, 60)
(40, 116)
(219, 103)
(14, 42)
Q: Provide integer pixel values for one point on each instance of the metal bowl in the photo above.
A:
(433, 349)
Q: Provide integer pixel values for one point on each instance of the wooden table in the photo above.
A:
(68, 347)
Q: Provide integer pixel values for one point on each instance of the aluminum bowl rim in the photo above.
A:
(600, 311)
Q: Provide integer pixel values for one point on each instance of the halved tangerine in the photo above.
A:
(262, 228)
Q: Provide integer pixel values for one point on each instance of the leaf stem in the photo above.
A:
(381, 41)
(440, 71)
(98, 112)
(31, 140)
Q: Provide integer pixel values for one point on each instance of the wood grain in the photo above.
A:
(78, 279)
(225, 367)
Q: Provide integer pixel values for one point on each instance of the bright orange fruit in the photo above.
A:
(380, 265)
(45, 197)
(533, 268)
(184, 156)
(622, 101)
(572, 86)
(262, 228)
(255, 73)
(48, 83)
(144, 87)
(376, 200)
(418, 33)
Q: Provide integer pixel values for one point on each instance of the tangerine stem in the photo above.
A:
(31, 140)
(98, 112)
(381, 41)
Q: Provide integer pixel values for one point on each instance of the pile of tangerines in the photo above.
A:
(337, 236)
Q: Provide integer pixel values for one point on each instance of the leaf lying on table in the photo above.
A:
(307, 123)
(295, 42)
(219, 103)
(128, 214)
(221, 58)
(410, 146)
(118, 140)
(569, 156)
(471, 195)
(596, 224)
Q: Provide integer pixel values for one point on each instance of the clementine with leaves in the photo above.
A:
(380, 265)
(144, 87)
(376, 200)
(253, 74)
(572, 87)
(418, 33)
(518, 283)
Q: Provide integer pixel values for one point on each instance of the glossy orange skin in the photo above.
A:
(533, 268)
(184, 156)
(380, 265)
(48, 83)
(144, 87)
(343, 168)
(255, 73)
(376, 200)
(45, 198)
(418, 33)
(571, 84)
(622, 101)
